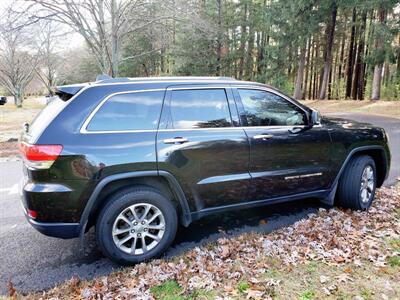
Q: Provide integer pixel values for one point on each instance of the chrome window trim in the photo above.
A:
(84, 129)
(204, 129)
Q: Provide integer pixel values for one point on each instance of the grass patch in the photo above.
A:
(394, 261)
(313, 266)
(169, 290)
(243, 286)
(272, 273)
(395, 243)
(307, 295)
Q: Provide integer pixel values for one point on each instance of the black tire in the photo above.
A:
(122, 200)
(349, 188)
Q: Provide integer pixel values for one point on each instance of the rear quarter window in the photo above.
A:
(128, 111)
(46, 116)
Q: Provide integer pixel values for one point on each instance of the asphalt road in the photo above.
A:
(34, 262)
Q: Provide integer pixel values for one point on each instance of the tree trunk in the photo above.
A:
(351, 55)
(242, 43)
(340, 67)
(18, 98)
(219, 39)
(310, 87)
(330, 31)
(376, 81)
(307, 69)
(114, 39)
(358, 83)
(250, 47)
(300, 72)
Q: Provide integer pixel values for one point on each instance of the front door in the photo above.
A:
(287, 156)
(200, 143)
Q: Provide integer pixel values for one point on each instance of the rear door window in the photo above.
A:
(131, 111)
(201, 108)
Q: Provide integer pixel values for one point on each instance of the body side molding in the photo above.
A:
(250, 204)
(173, 183)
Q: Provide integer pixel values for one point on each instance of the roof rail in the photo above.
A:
(104, 79)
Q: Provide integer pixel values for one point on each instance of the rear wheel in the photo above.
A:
(357, 184)
(137, 224)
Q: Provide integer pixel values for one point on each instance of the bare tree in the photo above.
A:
(17, 65)
(50, 60)
(103, 24)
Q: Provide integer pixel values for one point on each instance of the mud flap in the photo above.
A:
(330, 199)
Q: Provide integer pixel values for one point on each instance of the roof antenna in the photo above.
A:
(103, 77)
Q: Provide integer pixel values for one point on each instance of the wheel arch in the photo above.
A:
(379, 156)
(160, 180)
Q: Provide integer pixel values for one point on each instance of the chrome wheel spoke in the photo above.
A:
(125, 219)
(120, 231)
(152, 236)
(157, 214)
(147, 209)
(125, 239)
(135, 216)
(370, 173)
(144, 246)
(156, 227)
(133, 246)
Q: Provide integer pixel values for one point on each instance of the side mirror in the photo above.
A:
(315, 118)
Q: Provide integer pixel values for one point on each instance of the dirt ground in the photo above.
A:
(11, 120)
(385, 108)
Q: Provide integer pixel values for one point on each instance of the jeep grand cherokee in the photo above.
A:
(135, 157)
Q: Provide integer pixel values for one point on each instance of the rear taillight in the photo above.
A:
(40, 156)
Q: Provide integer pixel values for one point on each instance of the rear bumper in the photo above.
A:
(58, 230)
(33, 194)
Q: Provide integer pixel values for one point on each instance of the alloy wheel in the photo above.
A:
(138, 228)
(367, 184)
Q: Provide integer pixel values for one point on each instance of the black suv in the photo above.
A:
(136, 156)
(3, 100)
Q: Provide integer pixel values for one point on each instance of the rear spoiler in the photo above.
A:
(66, 92)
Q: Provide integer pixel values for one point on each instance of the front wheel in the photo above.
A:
(357, 184)
(137, 224)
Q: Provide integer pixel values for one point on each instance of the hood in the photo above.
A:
(346, 123)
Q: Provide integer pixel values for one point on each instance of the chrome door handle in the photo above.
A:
(176, 140)
(263, 136)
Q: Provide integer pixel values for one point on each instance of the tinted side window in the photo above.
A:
(135, 111)
(268, 109)
(199, 109)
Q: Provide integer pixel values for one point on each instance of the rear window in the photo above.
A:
(134, 111)
(44, 118)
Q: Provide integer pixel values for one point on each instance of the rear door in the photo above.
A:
(200, 142)
(287, 156)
